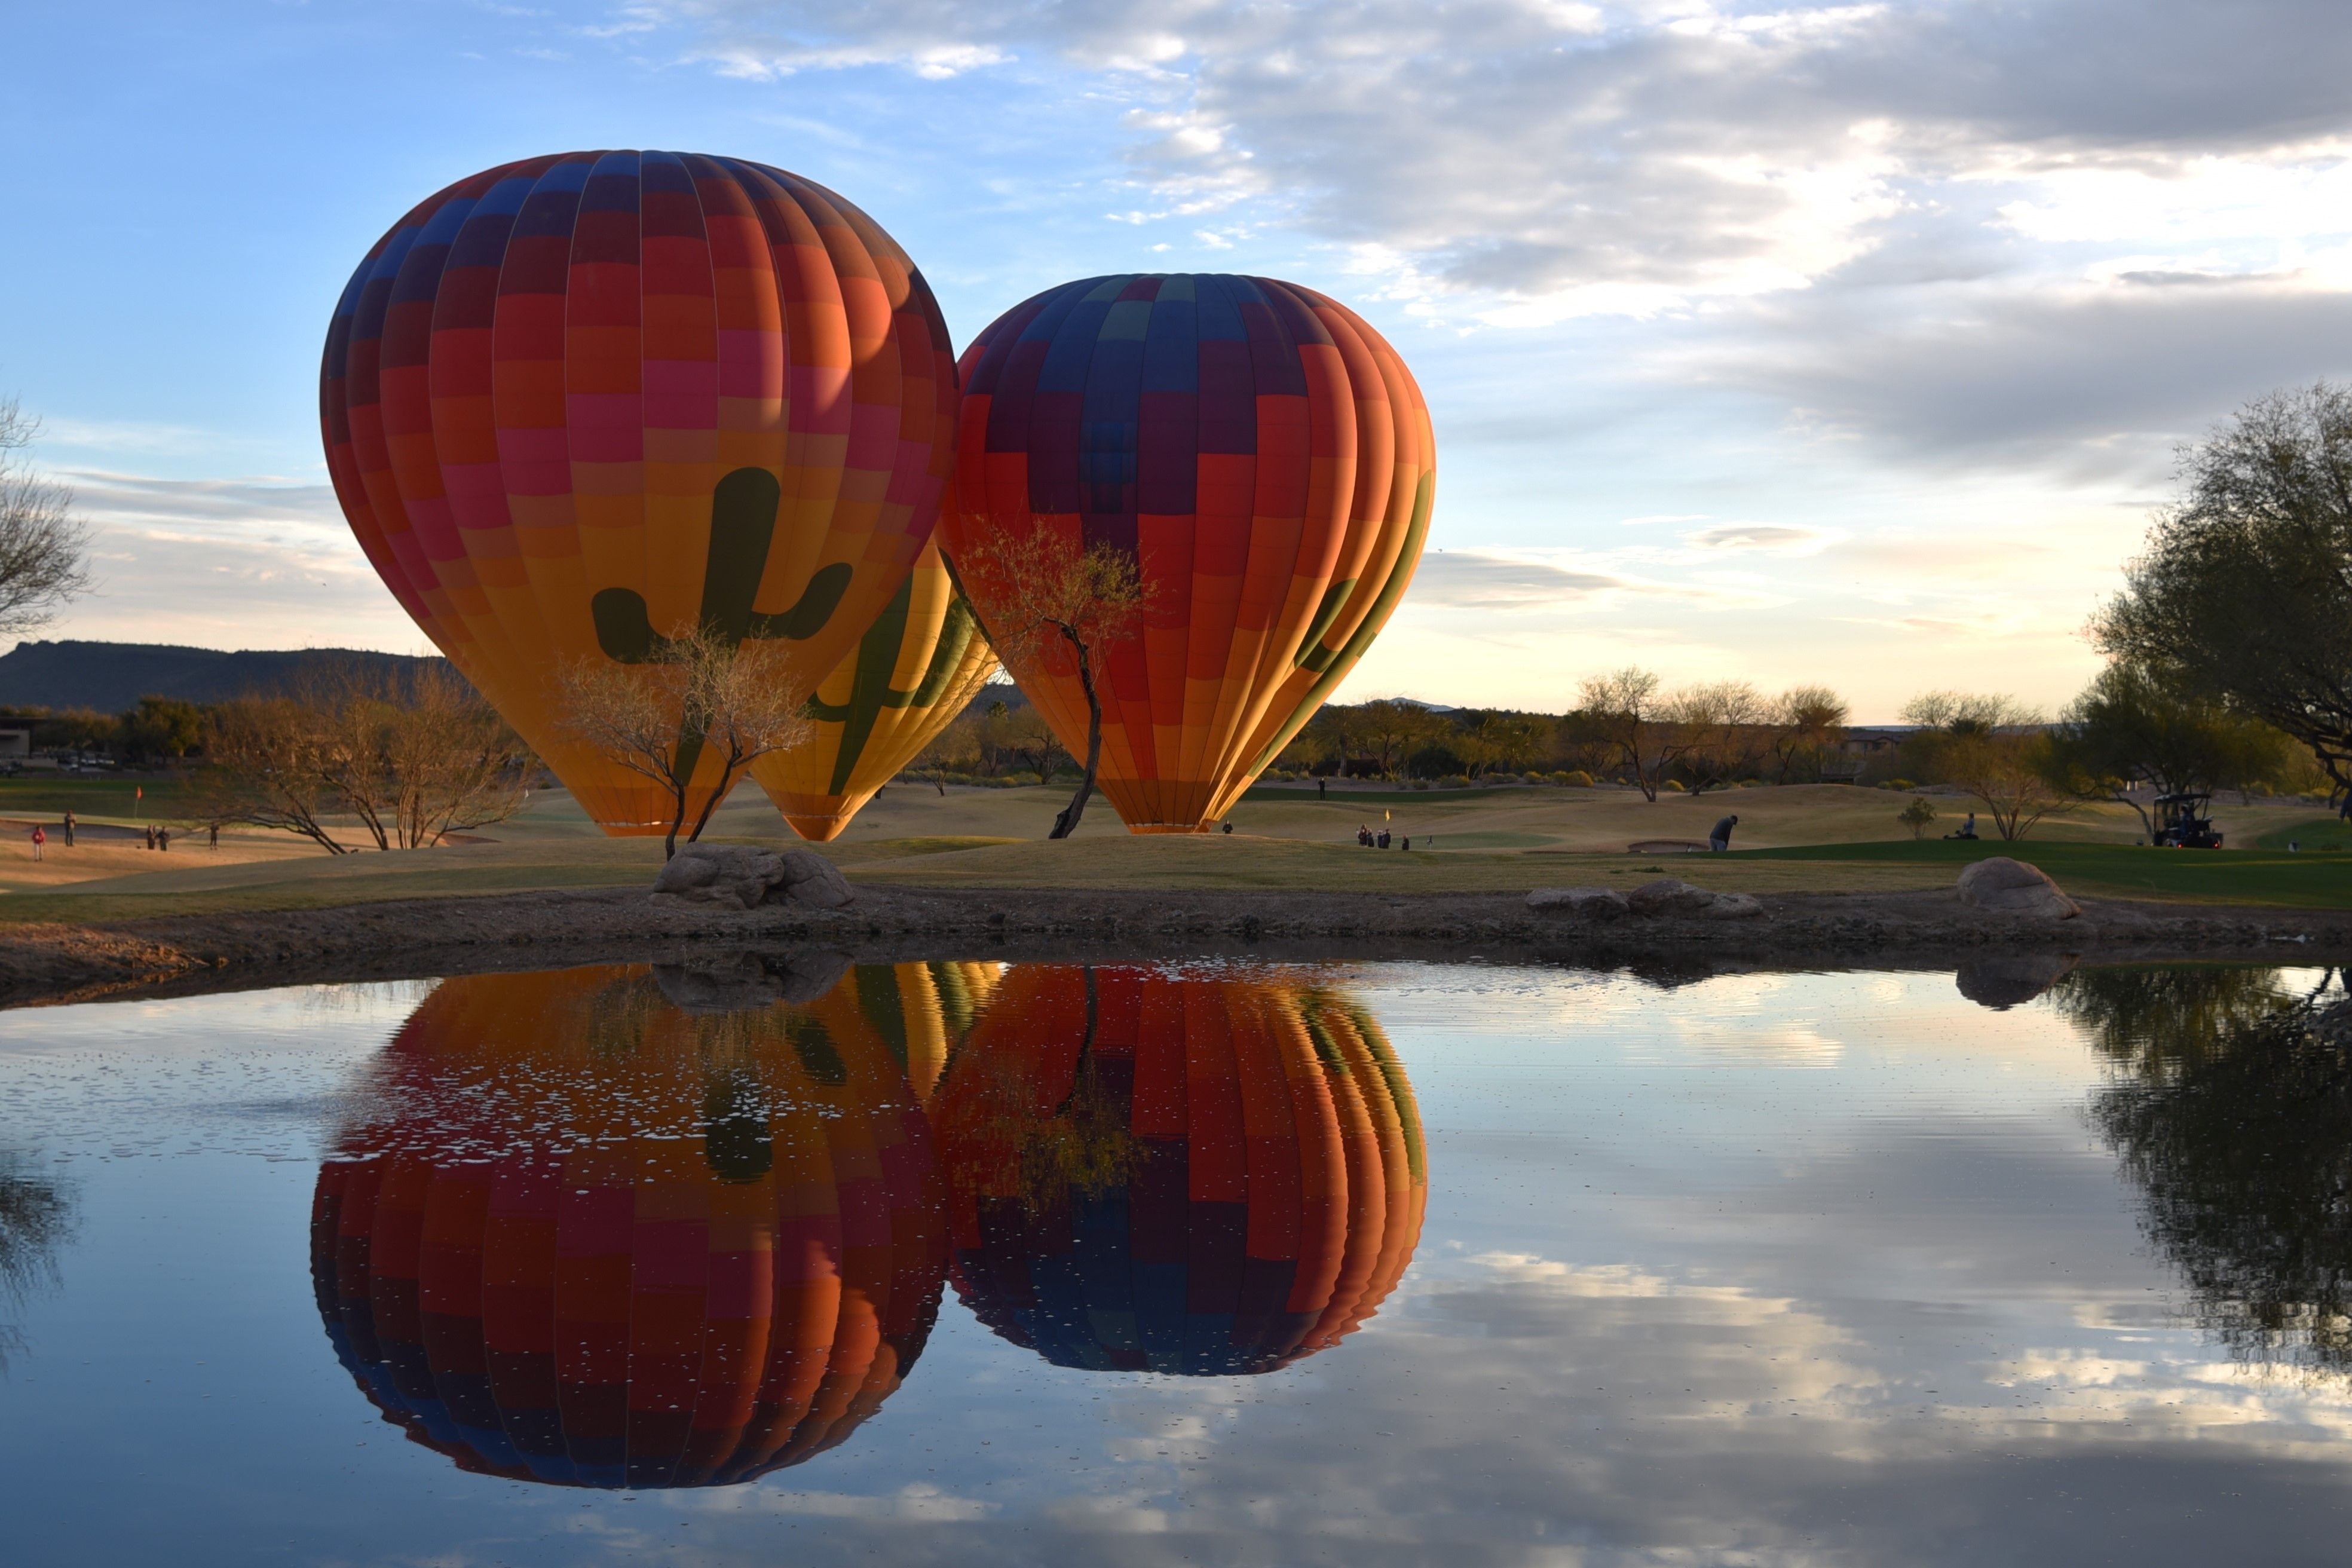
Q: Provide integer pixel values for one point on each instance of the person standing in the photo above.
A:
(69, 825)
(163, 839)
(215, 833)
(1384, 838)
(151, 838)
(1718, 837)
(39, 838)
(1322, 789)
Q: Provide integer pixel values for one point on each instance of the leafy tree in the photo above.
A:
(2245, 590)
(1916, 816)
(1991, 746)
(160, 727)
(2131, 732)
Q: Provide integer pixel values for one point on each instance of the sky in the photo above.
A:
(1849, 344)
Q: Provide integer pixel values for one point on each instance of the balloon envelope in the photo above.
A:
(1268, 459)
(584, 1236)
(906, 679)
(1177, 1173)
(574, 404)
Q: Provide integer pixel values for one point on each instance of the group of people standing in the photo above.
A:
(1371, 840)
(158, 839)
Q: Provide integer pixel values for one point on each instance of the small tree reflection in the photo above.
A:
(36, 1220)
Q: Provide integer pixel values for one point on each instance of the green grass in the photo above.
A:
(2114, 871)
(93, 797)
(2318, 835)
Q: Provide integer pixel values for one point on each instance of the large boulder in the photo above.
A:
(1734, 907)
(2002, 886)
(1669, 896)
(1579, 904)
(746, 876)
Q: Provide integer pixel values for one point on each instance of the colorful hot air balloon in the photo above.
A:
(575, 403)
(584, 1237)
(1266, 456)
(906, 680)
(1177, 1173)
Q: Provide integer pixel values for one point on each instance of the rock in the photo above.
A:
(736, 874)
(747, 877)
(1579, 903)
(2002, 886)
(810, 878)
(2004, 982)
(1667, 896)
(1734, 907)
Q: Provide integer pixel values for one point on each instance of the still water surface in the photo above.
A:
(1368, 1264)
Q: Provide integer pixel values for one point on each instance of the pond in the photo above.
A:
(1379, 1263)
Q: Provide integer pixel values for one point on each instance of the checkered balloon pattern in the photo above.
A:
(574, 404)
(1265, 459)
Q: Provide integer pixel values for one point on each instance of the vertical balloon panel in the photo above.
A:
(574, 404)
(1266, 458)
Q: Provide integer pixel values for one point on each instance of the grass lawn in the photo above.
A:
(93, 797)
(2117, 870)
(1802, 838)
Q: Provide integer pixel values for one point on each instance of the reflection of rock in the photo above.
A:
(2010, 979)
(2000, 885)
(578, 1236)
(1181, 1174)
(747, 877)
(1579, 903)
(739, 980)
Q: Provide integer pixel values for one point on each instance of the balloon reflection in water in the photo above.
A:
(583, 1235)
(1178, 1173)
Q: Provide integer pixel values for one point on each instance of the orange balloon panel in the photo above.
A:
(1177, 1173)
(907, 679)
(575, 403)
(1266, 457)
(581, 1234)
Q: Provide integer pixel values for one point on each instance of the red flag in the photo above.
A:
(139, 792)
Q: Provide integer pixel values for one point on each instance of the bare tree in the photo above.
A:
(413, 760)
(1047, 599)
(1808, 723)
(1713, 732)
(267, 764)
(44, 547)
(705, 693)
(1621, 709)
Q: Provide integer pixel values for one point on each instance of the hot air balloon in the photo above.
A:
(1268, 460)
(576, 404)
(906, 680)
(1174, 1173)
(583, 1236)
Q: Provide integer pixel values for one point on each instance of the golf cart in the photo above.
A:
(2181, 823)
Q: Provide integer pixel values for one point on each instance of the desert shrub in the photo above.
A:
(1454, 781)
(1575, 778)
(1675, 785)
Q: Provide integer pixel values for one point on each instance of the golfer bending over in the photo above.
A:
(1718, 837)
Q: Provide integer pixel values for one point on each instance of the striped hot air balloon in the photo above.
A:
(576, 404)
(1266, 458)
(1177, 1173)
(584, 1236)
(906, 681)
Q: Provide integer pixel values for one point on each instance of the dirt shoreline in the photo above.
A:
(189, 954)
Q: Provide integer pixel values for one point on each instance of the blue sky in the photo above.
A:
(1845, 344)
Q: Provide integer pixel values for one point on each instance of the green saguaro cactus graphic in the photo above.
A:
(743, 508)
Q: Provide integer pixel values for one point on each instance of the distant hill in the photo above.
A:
(114, 676)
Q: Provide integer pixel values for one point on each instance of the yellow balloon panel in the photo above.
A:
(906, 681)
